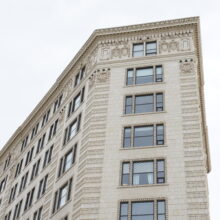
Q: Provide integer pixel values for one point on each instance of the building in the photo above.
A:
(121, 135)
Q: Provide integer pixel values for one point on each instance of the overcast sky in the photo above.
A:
(39, 38)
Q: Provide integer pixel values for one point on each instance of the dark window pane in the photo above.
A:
(127, 137)
(161, 207)
(128, 105)
(159, 102)
(151, 48)
(144, 103)
(125, 173)
(160, 134)
(124, 209)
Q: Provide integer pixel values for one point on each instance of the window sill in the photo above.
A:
(143, 147)
(144, 84)
(144, 113)
(146, 185)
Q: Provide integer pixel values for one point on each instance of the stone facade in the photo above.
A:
(96, 191)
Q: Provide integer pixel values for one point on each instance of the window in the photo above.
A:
(40, 144)
(143, 210)
(144, 103)
(72, 129)
(67, 160)
(8, 216)
(17, 210)
(35, 170)
(34, 130)
(62, 195)
(159, 102)
(53, 130)
(13, 193)
(7, 162)
(76, 102)
(124, 211)
(161, 210)
(79, 76)
(57, 103)
(128, 105)
(23, 181)
(159, 74)
(151, 48)
(3, 184)
(29, 199)
(140, 136)
(45, 118)
(64, 218)
(38, 214)
(144, 75)
(143, 172)
(138, 50)
(24, 143)
(47, 156)
(18, 168)
(42, 187)
(29, 156)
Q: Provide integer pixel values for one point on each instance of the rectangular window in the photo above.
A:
(47, 156)
(18, 168)
(127, 137)
(23, 181)
(67, 160)
(17, 210)
(72, 129)
(76, 102)
(148, 135)
(62, 195)
(161, 210)
(13, 193)
(124, 211)
(143, 172)
(24, 143)
(29, 199)
(57, 103)
(42, 187)
(151, 48)
(128, 105)
(144, 103)
(144, 75)
(143, 136)
(45, 118)
(138, 50)
(40, 144)
(125, 180)
(130, 77)
(34, 130)
(142, 210)
(38, 214)
(29, 156)
(53, 130)
(7, 162)
(160, 171)
(35, 170)
(159, 74)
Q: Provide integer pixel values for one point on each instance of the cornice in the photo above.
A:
(92, 43)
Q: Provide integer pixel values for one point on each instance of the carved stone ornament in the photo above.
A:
(186, 67)
(105, 53)
(91, 80)
(68, 88)
(116, 53)
(102, 75)
(168, 46)
(174, 46)
(62, 113)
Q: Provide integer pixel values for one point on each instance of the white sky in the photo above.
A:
(39, 38)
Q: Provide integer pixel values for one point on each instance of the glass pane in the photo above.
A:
(142, 217)
(160, 97)
(139, 208)
(127, 142)
(160, 165)
(63, 196)
(160, 174)
(161, 207)
(144, 79)
(151, 45)
(77, 102)
(138, 54)
(143, 167)
(73, 130)
(124, 209)
(140, 131)
(124, 218)
(159, 129)
(125, 179)
(68, 161)
(128, 110)
(144, 72)
(138, 47)
(150, 178)
(128, 100)
(143, 141)
(126, 168)
(159, 70)
(127, 132)
(142, 99)
(143, 108)
(130, 73)
(129, 81)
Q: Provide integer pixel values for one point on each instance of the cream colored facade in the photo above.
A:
(96, 190)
